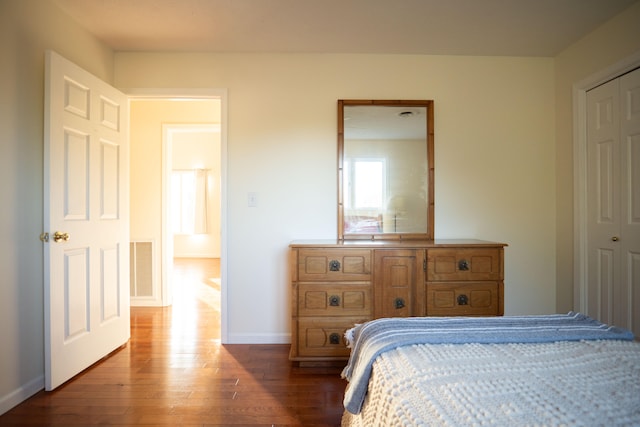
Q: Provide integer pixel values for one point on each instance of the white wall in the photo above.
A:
(27, 28)
(495, 148)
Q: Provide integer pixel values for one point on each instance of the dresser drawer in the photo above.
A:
(463, 299)
(330, 264)
(321, 337)
(464, 264)
(334, 299)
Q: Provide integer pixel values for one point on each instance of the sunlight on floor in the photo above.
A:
(196, 300)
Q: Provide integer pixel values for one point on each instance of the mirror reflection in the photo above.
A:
(385, 169)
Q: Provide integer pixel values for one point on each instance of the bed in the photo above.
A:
(555, 370)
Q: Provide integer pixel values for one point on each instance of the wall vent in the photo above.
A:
(141, 268)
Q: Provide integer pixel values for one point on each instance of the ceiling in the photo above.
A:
(385, 122)
(449, 27)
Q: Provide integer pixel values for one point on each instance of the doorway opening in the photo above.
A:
(191, 191)
(178, 158)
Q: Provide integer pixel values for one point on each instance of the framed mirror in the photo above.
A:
(385, 169)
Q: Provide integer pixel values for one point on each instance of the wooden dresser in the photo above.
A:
(336, 284)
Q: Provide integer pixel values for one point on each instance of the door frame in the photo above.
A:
(196, 93)
(580, 90)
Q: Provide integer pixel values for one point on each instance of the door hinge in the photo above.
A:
(424, 265)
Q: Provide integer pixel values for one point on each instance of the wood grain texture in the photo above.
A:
(392, 278)
(175, 372)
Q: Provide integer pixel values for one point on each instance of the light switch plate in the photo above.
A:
(252, 199)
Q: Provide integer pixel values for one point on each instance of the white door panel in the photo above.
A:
(613, 202)
(630, 198)
(86, 198)
(602, 199)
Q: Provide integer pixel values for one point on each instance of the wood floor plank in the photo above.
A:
(175, 372)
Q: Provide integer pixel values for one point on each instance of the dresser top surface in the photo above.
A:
(394, 243)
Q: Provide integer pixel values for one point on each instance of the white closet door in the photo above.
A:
(613, 202)
(630, 199)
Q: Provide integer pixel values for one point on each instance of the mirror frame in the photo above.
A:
(429, 235)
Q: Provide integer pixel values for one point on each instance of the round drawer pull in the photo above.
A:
(334, 338)
(463, 300)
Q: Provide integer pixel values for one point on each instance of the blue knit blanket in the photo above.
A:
(369, 340)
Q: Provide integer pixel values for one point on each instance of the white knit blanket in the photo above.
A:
(570, 383)
(373, 338)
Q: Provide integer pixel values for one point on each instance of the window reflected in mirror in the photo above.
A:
(384, 169)
(365, 193)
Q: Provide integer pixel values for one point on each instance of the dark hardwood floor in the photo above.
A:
(175, 372)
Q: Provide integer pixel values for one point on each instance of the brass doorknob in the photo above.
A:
(615, 238)
(59, 237)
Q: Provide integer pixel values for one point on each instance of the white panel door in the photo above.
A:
(86, 214)
(603, 199)
(613, 202)
(630, 198)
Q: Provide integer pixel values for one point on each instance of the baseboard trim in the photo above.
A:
(248, 338)
(195, 255)
(21, 394)
(145, 302)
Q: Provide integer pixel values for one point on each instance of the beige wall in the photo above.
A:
(608, 45)
(495, 160)
(27, 28)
